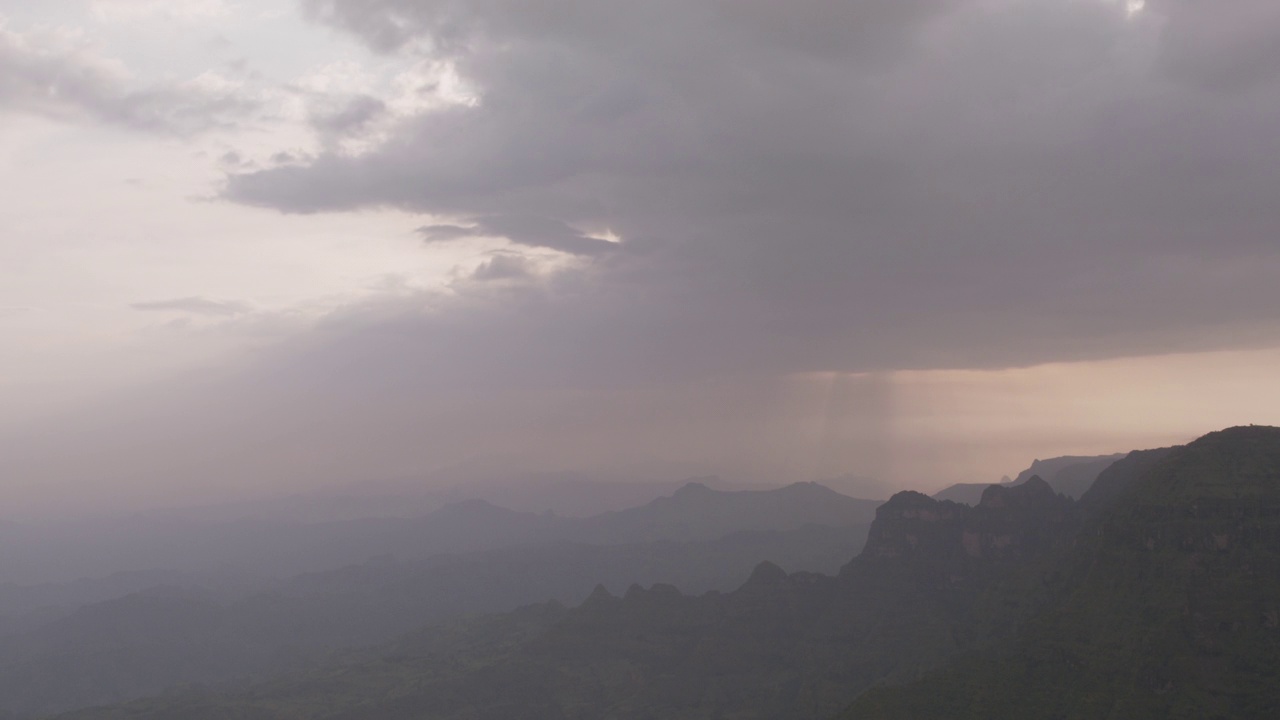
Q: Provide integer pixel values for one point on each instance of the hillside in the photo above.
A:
(278, 549)
(798, 645)
(1155, 596)
(106, 641)
(1068, 475)
(697, 512)
(1170, 606)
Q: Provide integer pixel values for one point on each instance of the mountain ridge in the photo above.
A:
(1126, 604)
(197, 636)
(776, 646)
(1170, 606)
(1070, 475)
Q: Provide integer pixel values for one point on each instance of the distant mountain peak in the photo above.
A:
(1008, 522)
(693, 488)
(767, 573)
(475, 505)
(1227, 465)
(907, 499)
(1035, 491)
(600, 593)
(1241, 433)
(659, 591)
(1181, 559)
(1068, 475)
(1037, 486)
(599, 601)
(814, 488)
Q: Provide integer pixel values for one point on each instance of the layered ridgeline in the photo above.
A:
(1154, 596)
(92, 642)
(274, 548)
(1069, 475)
(1169, 606)
(801, 645)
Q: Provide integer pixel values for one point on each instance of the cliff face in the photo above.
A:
(1159, 597)
(1168, 605)
(1071, 476)
(796, 645)
(961, 543)
(911, 525)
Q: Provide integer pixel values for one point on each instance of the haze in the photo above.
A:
(255, 248)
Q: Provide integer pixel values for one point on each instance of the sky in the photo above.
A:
(249, 248)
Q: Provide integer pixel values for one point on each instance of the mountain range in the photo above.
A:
(1168, 605)
(276, 548)
(67, 645)
(1155, 595)
(1069, 475)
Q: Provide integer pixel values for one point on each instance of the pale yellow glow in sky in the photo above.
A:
(984, 420)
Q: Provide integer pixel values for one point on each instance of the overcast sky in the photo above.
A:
(250, 247)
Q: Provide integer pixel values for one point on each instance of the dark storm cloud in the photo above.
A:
(835, 186)
(51, 76)
(1221, 46)
(797, 186)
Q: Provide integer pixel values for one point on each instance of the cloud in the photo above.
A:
(56, 73)
(1222, 47)
(194, 306)
(15, 310)
(133, 10)
(843, 186)
(345, 116)
(522, 230)
(503, 266)
(810, 197)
